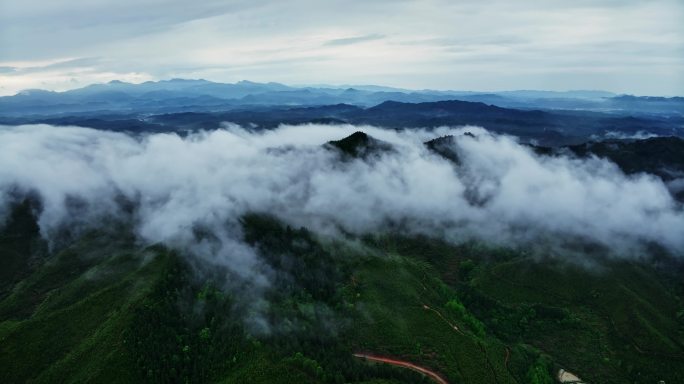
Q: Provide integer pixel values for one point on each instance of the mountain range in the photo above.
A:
(202, 95)
(543, 117)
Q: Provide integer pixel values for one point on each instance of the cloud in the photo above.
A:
(61, 75)
(69, 64)
(628, 47)
(502, 193)
(639, 135)
(189, 193)
(354, 40)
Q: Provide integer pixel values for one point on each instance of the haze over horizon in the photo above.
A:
(634, 46)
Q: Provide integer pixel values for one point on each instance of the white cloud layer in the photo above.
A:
(501, 193)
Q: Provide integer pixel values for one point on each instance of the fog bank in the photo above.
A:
(501, 192)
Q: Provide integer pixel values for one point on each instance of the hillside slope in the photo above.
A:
(106, 309)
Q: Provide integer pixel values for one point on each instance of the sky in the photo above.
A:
(624, 46)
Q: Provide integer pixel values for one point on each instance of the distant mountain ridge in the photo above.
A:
(200, 95)
(544, 127)
(180, 105)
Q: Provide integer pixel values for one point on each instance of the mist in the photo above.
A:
(500, 193)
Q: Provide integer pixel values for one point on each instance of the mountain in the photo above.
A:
(545, 127)
(534, 94)
(182, 86)
(360, 145)
(97, 304)
(659, 156)
(201, 96)
(662, 156)
(673, 106)
(445, 146)
(103, 308)
(178, 105)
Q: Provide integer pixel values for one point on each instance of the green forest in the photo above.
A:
(104, 308)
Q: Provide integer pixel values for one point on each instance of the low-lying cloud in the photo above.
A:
(501, 192)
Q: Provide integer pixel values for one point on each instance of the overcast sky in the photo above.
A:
(626, 46)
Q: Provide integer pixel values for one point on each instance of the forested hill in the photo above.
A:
(100, 306)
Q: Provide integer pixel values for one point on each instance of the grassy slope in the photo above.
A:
(624, 329)
(610, 323)
(20, 247)
(65, 321)
(390, 295)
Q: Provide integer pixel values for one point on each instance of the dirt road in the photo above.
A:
(404, 364)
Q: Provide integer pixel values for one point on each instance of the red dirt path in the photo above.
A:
(404, 364)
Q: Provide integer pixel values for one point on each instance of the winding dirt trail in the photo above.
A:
(404, 364)
(453, 326)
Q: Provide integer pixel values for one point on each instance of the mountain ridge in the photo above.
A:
(246, 92)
